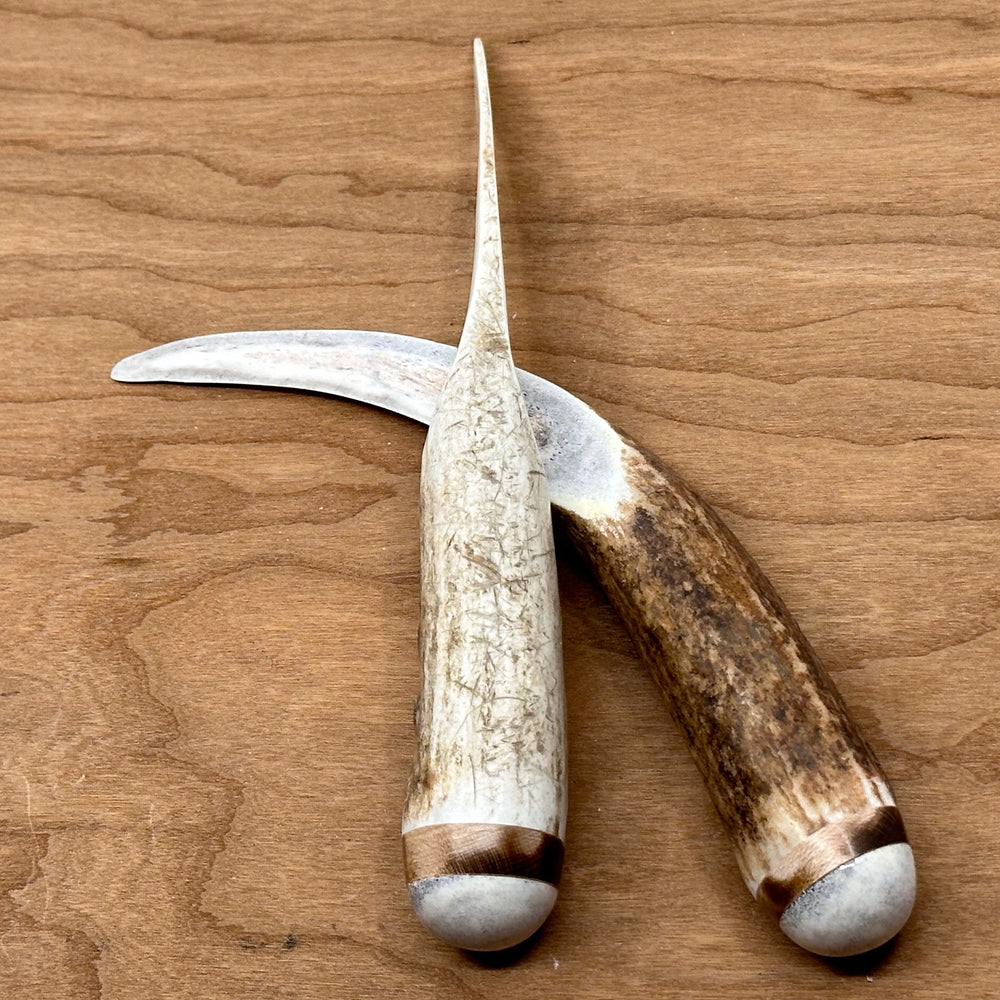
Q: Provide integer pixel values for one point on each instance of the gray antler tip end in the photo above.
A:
(482, 912)
(857, 907)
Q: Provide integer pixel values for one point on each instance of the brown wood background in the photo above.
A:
(762, 237)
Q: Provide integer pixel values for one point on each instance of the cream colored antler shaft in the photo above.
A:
(484, 818)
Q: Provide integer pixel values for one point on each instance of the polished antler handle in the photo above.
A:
(485, 811)
(817, 833)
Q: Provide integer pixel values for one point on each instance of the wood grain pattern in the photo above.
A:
(762, 238)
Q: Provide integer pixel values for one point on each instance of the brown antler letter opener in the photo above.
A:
(816, 831)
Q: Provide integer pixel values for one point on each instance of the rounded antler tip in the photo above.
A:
(482, 912)
(857, 907)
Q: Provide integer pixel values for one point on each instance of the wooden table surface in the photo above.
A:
(761, 237)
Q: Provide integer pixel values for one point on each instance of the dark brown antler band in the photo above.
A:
(482, 849)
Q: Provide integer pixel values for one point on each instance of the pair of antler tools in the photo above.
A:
(816, 830)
